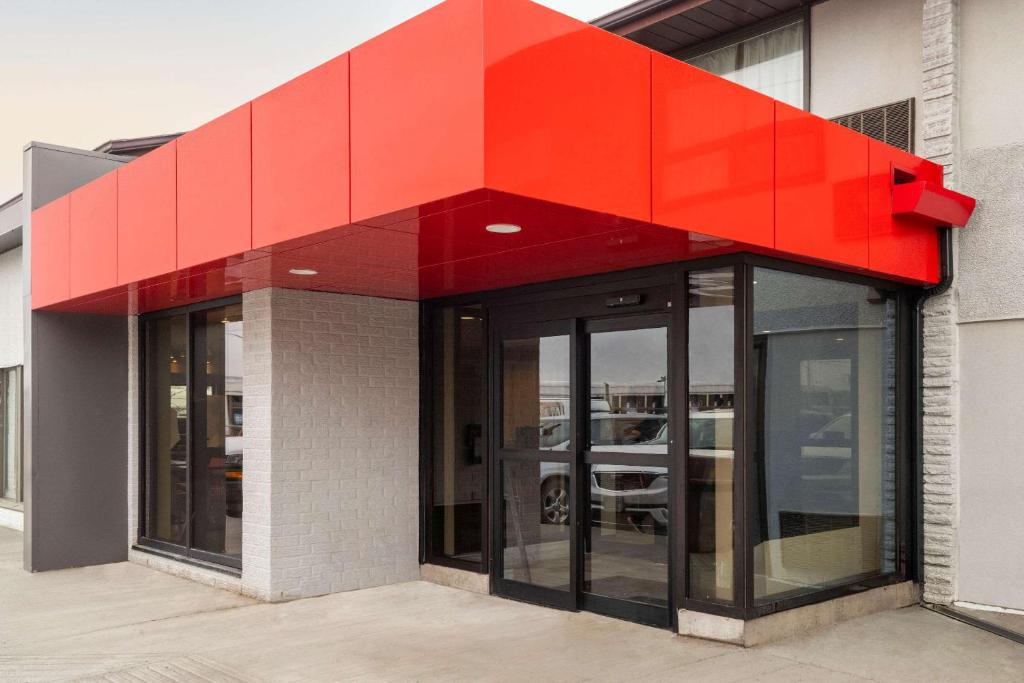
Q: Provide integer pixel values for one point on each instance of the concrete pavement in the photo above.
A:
(124, 622)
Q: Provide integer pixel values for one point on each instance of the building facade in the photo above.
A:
(613, 334)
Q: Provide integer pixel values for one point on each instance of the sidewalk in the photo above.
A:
(124, 622)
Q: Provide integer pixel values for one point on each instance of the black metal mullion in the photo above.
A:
(578, 518)
(189, 424)
(744, 436)
(679, 445)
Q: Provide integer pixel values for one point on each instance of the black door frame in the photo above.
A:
(624, 609)
(232, 565)
(648, 307)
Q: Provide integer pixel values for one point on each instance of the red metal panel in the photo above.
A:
(300, 156)
(50, 253)
(147, 216)
(901, 247)
(931, 202)
(713, 155)
(417, 111)
(215, 189)
(821, 188)
(568, 115)
(93, 236)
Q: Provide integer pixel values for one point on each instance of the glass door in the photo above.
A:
(535, 465)
(624, 461)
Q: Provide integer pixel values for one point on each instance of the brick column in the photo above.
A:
(332, 443)
(941, 126)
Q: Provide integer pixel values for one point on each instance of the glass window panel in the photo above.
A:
(459, 462)
(628, 400)
(825, 387)
(771, 63)
(10, 420)
(709, 471)
(535, 523)
(536, 405)
(627, 536)
(218, 420)
(166, 415)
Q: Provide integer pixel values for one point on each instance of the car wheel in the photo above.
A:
(554, 503)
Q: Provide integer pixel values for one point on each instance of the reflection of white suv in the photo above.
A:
(632, 492)
(639, 493)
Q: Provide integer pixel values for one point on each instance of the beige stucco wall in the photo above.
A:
(865, 53)
(992, 464)
(991, 308)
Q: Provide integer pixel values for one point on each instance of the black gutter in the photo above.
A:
(945, 282)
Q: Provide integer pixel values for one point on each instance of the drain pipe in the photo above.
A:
(945, 282)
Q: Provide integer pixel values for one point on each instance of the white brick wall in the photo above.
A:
(331, 403)
(941, 126)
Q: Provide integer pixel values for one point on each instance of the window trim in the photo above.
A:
(17, 371)
(185, 553)
(801, 14)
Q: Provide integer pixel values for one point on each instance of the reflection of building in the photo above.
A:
(687, 207)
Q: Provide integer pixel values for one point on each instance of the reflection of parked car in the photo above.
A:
(639, 493)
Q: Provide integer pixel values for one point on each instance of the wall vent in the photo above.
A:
(890, 123)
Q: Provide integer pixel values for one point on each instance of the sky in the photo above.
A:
(81, 72)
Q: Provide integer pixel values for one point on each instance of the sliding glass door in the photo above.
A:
(536, 465)
(193, 431)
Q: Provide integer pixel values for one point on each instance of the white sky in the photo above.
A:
(80, 72)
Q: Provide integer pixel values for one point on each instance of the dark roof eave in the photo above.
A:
(635, 12)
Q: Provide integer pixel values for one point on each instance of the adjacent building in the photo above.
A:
(631, 323)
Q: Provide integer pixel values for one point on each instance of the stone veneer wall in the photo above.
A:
(941, 457)
(332, 443)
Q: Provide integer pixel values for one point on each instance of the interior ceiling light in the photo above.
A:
(503, 228)
(302, 271)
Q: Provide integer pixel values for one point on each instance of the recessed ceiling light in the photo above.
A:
(302, 271)
(503, 228)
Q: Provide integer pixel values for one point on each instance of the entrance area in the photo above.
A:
(584, 462)
(725, 437)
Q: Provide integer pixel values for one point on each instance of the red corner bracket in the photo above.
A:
(931, 202)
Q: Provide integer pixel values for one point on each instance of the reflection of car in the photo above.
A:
(233, 475)
(637, 494)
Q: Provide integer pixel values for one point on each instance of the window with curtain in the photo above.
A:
(771, 63)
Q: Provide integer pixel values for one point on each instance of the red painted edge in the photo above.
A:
(931, 202)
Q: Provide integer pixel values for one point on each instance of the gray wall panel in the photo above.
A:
(79, 455)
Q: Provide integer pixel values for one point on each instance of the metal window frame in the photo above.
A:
(557, 300)
(232, 565)
(6, 374)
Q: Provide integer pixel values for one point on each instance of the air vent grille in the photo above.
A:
(890, 123)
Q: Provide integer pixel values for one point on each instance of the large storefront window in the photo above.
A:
(825, 443)
(771, 63)
(459, 465)
(193, 433)
(739, 452)
(10, 435)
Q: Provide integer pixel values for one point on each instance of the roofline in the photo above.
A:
(122, 145)
(11, 202)
(642, 10)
